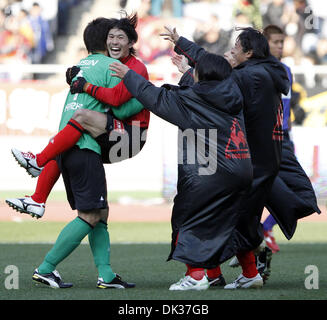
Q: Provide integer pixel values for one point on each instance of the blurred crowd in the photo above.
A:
(212, 24)
(28, 29)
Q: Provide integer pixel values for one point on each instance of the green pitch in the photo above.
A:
(139, 252)
(145, 265)
(38, 231)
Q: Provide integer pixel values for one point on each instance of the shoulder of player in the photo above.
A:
(137, 65)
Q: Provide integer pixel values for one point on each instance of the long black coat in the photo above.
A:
(292, 196)
(261, 82)
(214, 167)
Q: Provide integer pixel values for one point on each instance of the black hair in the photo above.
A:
(128, 25)
(272, 29)
(252, 39)
(95, 34)
(212, 67)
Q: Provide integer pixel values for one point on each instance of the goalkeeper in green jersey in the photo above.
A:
(84, 176)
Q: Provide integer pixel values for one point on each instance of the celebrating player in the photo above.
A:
(101, 126)
(211, 178)
(261, 79)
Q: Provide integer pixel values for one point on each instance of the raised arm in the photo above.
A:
(184, 47)
(116, 96)
(182, 64)
(164, 103)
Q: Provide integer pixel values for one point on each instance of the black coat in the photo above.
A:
(292, 196)
(214, 167)
(261, 81)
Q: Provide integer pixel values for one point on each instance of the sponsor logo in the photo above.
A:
(73, 106)
(88, 62)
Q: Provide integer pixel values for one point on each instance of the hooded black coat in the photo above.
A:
(261, 81)
(214, 165)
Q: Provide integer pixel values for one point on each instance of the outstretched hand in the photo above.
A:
(170, 34)
(119, 69)
(180, 62)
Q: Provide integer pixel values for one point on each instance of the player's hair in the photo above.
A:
(127, 24)
(252, 39)
(272, 29)
(212, 67)
(95, 34)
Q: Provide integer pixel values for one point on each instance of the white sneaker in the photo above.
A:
(246, 283)
(188, 283)
(27, 205)
(234, 263)
(27, 160)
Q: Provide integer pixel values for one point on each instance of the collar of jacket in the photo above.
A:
(125, 59)
(254, 61)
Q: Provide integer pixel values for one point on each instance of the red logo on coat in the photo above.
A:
(237, 146)
(278, 128)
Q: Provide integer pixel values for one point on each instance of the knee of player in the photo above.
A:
(80, 116)
(91, 217)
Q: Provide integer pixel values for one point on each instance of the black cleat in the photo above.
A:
(52, 279)
(263, 262)
(116, 283)
(217, 282)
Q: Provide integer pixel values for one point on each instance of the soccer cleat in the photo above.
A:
(27, 160)
(52, 279)
(217, 282)
(27, 205)
(263, 263)
(116, 283)
(188, 283)
(270, 241)
(246, 283)
(234, 263)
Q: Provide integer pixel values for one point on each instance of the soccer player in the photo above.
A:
(84, 176)
(120, 40)
(214, 167)
(262, 80)
(292, 196)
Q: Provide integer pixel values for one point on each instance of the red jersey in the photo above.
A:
(119, 94)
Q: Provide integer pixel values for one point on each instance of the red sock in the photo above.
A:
(45, 182)
(62, 141)
(247, 262)
(214, 273)
(195, 273)
(187, 273)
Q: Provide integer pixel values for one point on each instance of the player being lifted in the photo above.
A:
(106, 128)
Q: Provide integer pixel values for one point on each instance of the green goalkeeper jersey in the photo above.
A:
(95, 69)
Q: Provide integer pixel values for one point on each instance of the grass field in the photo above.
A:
(139, 252)
(145, 264)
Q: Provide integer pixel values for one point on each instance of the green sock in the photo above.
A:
(100, 245)
(68, 240)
